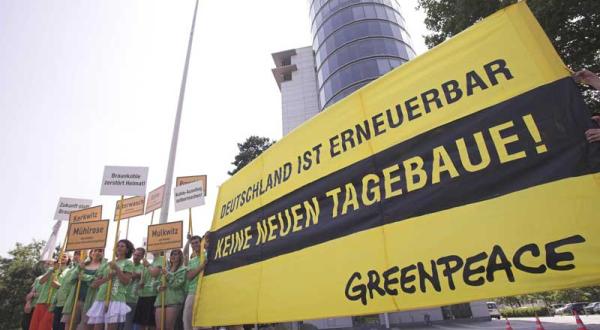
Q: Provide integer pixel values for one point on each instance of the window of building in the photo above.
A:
(287, 76)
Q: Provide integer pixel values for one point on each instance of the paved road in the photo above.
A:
(592, 322)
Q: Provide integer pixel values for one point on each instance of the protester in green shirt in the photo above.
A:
(193, 275)
(40, 299)
(133, 287)
(172, 290)
(144, 312)
(87, 292)
(119, 272)
(64, 286)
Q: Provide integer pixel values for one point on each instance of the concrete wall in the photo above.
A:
(299, 100)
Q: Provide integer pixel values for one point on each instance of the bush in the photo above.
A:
(525, 312)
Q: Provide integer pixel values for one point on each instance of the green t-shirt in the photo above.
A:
(175, 293)
(119, 290)
(133, 287)
(66, 285)
(194, 263)
(149, 288)
(90, 296)
(43, 290)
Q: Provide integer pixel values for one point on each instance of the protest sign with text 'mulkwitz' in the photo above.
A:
(189, 195)
(124, 180)
(165, 236)
(68, 205)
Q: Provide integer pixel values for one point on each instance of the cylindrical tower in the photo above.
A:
(355, 42)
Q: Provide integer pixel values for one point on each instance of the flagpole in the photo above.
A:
(164, 211)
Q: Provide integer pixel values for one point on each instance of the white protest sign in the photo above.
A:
(67, 205)
(124, 180)
(188, 196)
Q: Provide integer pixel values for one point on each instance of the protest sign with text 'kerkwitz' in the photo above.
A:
(181, 180)
(132, 207)
(67, 205)
(124, 180)
(155, 197)
(89, 214)
(87, 235)
(165, 236)
(188, 196)
(461, 175)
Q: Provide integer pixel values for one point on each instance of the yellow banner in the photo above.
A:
(463, 174)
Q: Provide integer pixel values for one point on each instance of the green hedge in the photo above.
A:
(525, 312)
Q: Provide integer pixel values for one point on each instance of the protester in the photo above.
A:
(31, 298)
(70, 284)
(173, 289)
(87, 292)
(63, 286)
(119, 272)
(28, 309)
(42, 318)
(144, 312)
(194, 274)
(133, 288)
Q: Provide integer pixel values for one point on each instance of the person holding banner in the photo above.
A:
(174, 290)
(133, 288)
(120, 271)
(89, 287)
(65, 286)
(195, 268)
(144, 312)
(42, 317)
(68, 288)
(41, 300)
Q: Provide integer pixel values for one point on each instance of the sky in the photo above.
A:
(84, 84)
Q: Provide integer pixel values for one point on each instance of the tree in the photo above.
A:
(250, 149)
(17, 274)
(572, 26)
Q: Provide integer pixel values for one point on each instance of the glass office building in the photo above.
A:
(355, 42)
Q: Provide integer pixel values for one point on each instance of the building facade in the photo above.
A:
(295, 75)
(354, 43)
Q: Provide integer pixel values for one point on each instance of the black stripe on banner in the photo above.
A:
(561, 151)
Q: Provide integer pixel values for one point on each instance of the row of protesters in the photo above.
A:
(74, 296)
(43, 294)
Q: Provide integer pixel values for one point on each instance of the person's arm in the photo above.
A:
(99, 281)
(55, 284)
(47, 276)
(124, 276)
(587, 77)
(155, 271)
(593, 135)
(193, 272)
(136, 276)
(186, 250)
